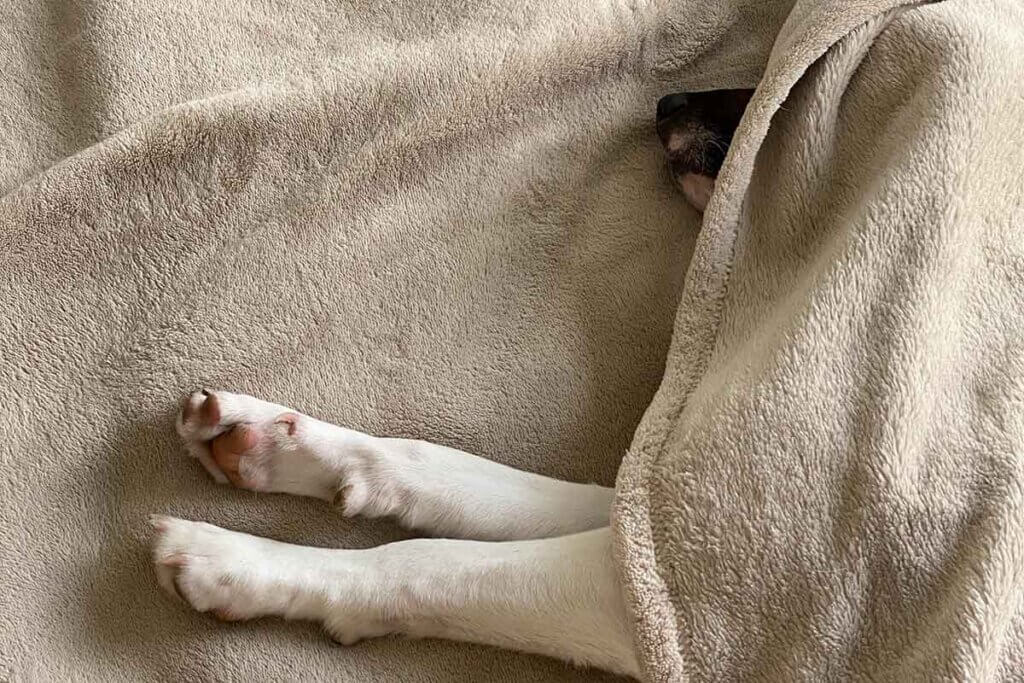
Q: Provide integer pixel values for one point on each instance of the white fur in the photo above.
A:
(436, 489)
(557, 596)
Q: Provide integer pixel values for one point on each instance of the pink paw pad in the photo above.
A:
(230, 448)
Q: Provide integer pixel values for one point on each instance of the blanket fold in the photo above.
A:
(828, 484)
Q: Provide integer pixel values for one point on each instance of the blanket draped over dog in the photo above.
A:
(451, 220)
(829, 484)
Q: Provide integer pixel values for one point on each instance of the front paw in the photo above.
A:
(254, 444)
(212, 569)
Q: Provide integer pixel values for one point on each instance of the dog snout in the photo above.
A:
(670, 104)
(696, 130)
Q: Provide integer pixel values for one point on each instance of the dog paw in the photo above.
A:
(254, 444)
(215, 570)
(235, 576)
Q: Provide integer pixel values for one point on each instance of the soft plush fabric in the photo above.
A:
(451, 220)
(829, 484)
(446, 220)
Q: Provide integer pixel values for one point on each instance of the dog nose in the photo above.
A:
(670, 104)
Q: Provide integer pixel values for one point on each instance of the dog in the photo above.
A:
(517, 560)
(696, 130)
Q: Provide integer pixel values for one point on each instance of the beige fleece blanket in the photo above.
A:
(829, 484)
(447, 220)
(451, 220)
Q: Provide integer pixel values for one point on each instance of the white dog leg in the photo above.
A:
(557, 596)
(266, 447)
